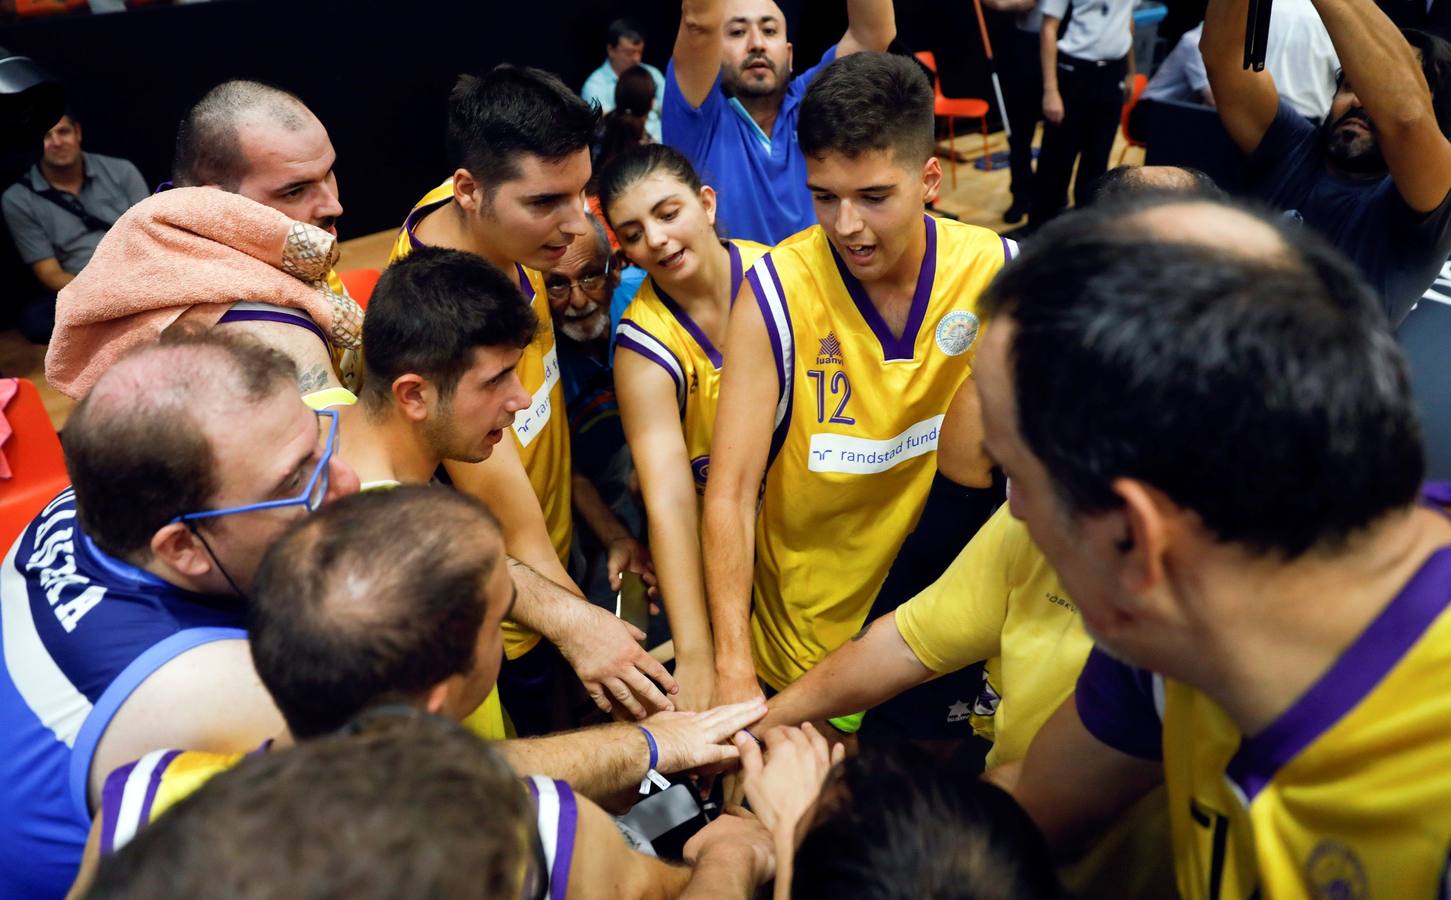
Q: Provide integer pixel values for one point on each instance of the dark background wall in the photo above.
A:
(377, 73)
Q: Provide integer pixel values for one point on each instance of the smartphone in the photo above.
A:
(633, 602)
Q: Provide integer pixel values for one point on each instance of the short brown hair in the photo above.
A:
(135, 448)
(412, 807)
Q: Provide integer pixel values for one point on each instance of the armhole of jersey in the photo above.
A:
(1010, 250)
(127, 798)
(633, 337)
(266, 312)
(556, 817)
(141, 668)
(771, 298)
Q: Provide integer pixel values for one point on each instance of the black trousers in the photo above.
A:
(1093, 99)
(1023, 94)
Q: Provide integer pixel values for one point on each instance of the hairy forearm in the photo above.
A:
(542, 605)
(597, 762)
(871, 23)
(867, 670)
(1378, 62)
(730, 533)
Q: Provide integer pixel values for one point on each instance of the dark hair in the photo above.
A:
(907, 828)
(375, 598)
(420, 808)
(135, 448)
(624, 30)
(428, 314)
(1436, 66)
(208, 147)
(867, 102)
(621, 173)
(1266, 395)
(1125, 181)
(512, 111)
(624, 126)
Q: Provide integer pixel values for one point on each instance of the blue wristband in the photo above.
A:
(654, 748)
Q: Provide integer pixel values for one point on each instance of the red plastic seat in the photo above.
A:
(954, 108)
(37, 464)
(1141, 81)
(360, 284)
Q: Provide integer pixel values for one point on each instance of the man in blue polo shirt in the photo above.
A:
(121, 608)
(731, 104)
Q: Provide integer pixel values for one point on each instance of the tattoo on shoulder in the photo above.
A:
(313, 379)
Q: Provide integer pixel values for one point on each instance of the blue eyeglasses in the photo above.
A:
(312, 494)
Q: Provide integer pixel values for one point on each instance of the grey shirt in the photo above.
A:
(42, 229)
(1099, 29)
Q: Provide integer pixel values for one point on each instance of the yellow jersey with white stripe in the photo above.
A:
(659, 329)
(1002, 602)
(542, 436)
(1346, 794)
(853, 450)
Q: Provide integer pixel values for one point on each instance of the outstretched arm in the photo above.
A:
(652, 427)
(738, 454)
(1247, 100)
(698, 48)
(870, 25)
(1385, 74)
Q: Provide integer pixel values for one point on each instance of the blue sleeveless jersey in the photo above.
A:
(80, 631)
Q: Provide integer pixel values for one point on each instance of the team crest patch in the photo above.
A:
(1334, 873)
(956, 332)
(700, 468)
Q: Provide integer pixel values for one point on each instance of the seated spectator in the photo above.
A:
(1375, 177)
(236, 256)
(125, 598)
(580, 291)
(623, 52)
(346, 619)
(408, 806)
(444, 334)
(1225, 470)
(59, 210)
(624, 126)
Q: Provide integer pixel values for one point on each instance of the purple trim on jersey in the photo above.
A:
(686, 322)
(153, 786)
(904, 347)
(415, 216)
(262, 315)
(737, 270)
(141, 668)
(525, 287)
(1115, 702)
(1354, 675)
(784, 378)
(564, 841)
(112, 792)
(1007, 250)
(623, 339)
(1436, 493)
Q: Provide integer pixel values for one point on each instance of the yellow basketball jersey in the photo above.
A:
(1347, 794)
(657, 328)
(853, 451)
(543, 437)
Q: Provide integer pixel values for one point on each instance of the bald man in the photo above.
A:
(1224, 468)
(122, 604)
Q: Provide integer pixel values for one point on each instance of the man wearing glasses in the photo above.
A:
(582, 291)
(122, 604)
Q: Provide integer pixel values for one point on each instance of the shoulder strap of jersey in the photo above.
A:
(557, 816)
(631, 336)
(128, 796)
(771, 298)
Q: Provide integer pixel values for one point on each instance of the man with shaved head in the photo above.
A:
(1209, 434)
(731, 105)
(122, 604)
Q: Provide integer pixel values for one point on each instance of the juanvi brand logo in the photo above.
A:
(830, 354)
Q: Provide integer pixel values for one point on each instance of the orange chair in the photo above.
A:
(360, 284)
(954, 108)
(25, 9)
(1141, 81)
(37, 466)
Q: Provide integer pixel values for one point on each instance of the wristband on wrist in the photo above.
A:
(654, 747)
(652, 776)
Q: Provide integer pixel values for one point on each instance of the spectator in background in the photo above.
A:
(58, 212)
(625, 50)
(625, 126)
(731, 106)
(1375, 176)
(1023, 96)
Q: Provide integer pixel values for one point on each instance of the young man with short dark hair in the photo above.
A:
(1210, 436)
(855, 335)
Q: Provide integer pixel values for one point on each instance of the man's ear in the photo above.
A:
(178, 548)
(1149, 526)
(790, 58)
(437, 698)
(467, 192)
(931, 180)
(412, 395)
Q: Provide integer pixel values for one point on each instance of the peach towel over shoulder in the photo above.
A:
(185, 256)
